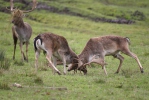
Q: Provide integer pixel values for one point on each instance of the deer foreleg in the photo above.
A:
(48, 57)
(22, 53)
(14, 50)
(101, 62)
(64, 64)
(26, 51)
(15, 41)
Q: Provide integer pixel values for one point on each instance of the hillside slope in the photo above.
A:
(112, 11)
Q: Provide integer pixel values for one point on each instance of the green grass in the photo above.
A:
(129, 84)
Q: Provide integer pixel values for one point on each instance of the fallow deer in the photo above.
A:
(54, 46)
(21, 30)
(97, 48)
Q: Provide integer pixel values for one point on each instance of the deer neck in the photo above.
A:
(20, 23)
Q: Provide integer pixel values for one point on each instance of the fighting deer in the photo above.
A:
(21, 30)
(97, 48)
(54, 46)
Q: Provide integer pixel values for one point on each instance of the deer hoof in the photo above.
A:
(59, 73)
(64, 73)
(142, 71)
(116, 72)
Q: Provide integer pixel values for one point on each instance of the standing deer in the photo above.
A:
(21, 30)
(54, 46)
(97, 48)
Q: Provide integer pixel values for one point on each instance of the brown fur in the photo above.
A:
(55, 46)
(22, 31)
(99, 47)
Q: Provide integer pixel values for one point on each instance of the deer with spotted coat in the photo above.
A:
(21, 30)
(97, 48)
(54, 46)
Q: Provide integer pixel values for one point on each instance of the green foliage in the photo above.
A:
(4, 86)
(4, 62)
(100, 81)
(38, 80)
(125, 3)
(127, 73)
(18, 63)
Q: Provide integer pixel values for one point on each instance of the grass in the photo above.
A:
(129, 84)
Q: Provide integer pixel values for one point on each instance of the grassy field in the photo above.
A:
(129, 84)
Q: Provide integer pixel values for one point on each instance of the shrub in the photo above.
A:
(4, 86)
(137, 15)
(38, 80)
(4, 62)
(19, 63)
(127, 73)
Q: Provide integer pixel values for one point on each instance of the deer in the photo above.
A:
(21, 30)
(54, 46)
(98, 47)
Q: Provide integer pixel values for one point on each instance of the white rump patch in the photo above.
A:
(39, 45)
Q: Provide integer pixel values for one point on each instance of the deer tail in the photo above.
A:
(128, 40)
(36, 39)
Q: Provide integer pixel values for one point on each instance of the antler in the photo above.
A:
(11, 6)
(33, 7)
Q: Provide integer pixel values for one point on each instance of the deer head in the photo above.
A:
(78, 66)
(17, 14)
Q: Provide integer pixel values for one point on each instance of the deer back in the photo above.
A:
(105, 45)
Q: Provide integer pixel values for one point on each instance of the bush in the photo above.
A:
(137, 15)
(18, 63)
(38, 80)
(4, 62)
(4, 86)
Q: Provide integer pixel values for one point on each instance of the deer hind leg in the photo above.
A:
(121, 58)
(48, 57)
(37, 53)
(129, 53)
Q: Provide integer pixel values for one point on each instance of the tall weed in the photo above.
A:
(4, 62)
(4, 86)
